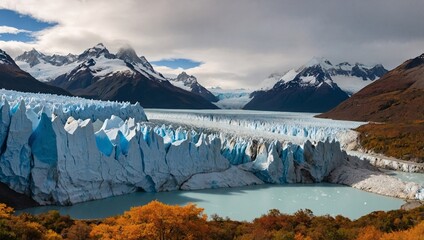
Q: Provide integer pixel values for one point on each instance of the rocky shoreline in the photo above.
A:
(389, 163)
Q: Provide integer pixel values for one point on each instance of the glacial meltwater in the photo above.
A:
(244, 203)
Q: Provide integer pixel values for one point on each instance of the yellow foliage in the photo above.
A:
(369, 233)
(300, 236)
(155, 221)
(5, 211)
(104, 231)
(51, 235)
(415, 233)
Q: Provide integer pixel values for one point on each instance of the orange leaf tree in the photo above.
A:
(155, 221)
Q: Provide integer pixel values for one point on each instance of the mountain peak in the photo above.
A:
(183, 74)
(343, 64)
(100, 46)
(32, 57)
(128, 54)
(187, 79)
(323, 62)
(189, 83)
(415, 62)
(95, 52)
(5, 58)
(32, 52)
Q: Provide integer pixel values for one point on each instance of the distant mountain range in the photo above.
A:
(97, 73)
(396, 97)
(13, 78)
(317, 86)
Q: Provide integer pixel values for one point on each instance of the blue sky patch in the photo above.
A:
(176, 63)
(26, 25)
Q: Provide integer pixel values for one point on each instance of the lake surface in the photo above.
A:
(407, 177)
(244, 203)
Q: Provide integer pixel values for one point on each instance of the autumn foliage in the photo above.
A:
(155, 221)
(400, 140)
(159, 221)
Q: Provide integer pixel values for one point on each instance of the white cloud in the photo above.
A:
(240, 42)
(12, 30)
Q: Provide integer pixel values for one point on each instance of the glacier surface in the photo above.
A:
(62, 150)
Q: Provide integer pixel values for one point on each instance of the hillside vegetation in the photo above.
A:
(400, 140)
(159, 221)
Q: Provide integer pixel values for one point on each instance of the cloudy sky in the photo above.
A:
(232, 44)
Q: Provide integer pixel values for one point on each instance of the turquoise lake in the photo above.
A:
(244, 203)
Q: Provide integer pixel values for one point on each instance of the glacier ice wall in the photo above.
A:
(76, 160)
(61, 150)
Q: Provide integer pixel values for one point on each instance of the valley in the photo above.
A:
(72, 144)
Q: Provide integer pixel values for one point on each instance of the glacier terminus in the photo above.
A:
(65, 150)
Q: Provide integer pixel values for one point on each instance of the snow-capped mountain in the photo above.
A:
(129, 55)
(315, 87)
(13, 78)
(190, 83)
(349, 77)
(97, 73)
(34, 57)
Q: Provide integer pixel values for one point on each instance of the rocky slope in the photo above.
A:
(396, 97)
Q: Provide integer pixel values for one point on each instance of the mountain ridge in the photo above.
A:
(14, 78)
(97, 73)
(190, 83)
(314, 87)
(396, 97)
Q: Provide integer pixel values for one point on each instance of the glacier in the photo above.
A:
(65, 150)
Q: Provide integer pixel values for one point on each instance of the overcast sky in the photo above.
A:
(238, 42)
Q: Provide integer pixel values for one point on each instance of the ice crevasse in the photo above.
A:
(65, 154)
